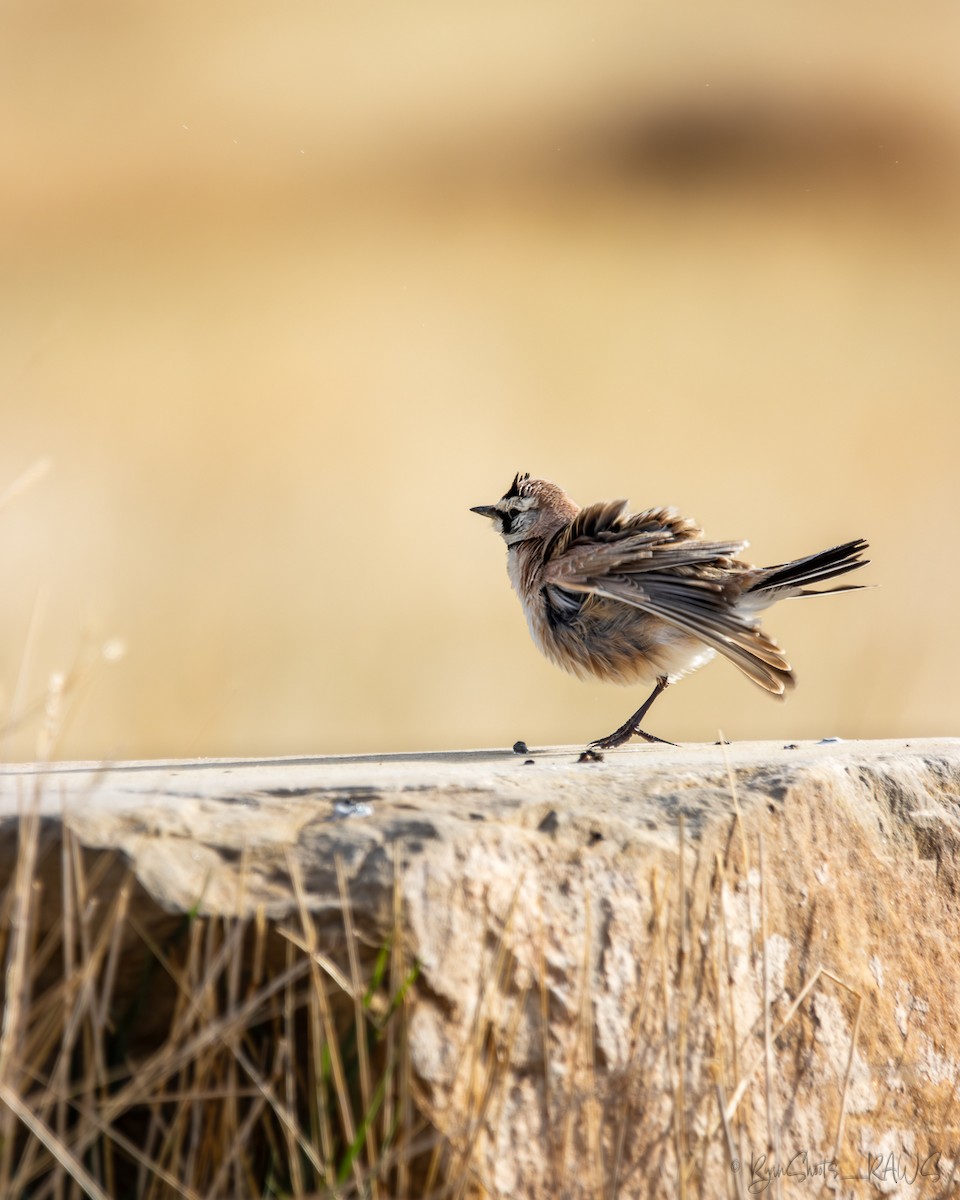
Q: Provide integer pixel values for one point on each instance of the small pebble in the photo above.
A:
(350, 808)
(828, 741)
(590, 756)
(791, 746)
(529, 762)
(520, 748)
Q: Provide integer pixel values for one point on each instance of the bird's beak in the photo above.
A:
(485, 510)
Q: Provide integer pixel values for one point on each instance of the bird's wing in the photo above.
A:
(607, 523)
(655, 562)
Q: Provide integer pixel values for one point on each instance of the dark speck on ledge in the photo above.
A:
(549, 823)
(520, 748)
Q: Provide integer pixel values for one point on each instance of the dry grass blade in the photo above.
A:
(398, 1045)
(18, 976)
(554, 1166)
(767, 1033)
(152, 1170)
(846, 1077)
(231, 1155)
(497, 1064)
(680, 1105)
(289, 1048)
(661, 921)
(45, 1134)
(286, 1114)
(733, 1157)
(727, 975)
(744, 1083)
(417, 1143)
(587, 1042)
(744, 843)
(322, 960)
(319, 996)
(636, 1032)
(360, 1021)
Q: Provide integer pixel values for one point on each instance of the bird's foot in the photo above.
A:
(624, 734)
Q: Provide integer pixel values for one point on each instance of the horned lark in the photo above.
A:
(640, 598)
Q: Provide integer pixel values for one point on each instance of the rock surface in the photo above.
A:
(676, 969)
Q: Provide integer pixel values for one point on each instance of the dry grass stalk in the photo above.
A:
(586, 1053)
(631, 1067)
(359, 1017)
(683, 957)
(17, 992)
(324, 1031)
(767, 1034)
(398, 1041)
(44, 1134)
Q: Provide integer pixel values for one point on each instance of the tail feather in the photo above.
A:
(793, 578)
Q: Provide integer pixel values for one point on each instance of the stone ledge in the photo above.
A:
(630, 897)
(154, 810)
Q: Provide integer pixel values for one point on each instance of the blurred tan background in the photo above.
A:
(286, 288)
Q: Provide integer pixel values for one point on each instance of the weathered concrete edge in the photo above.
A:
(183, 823)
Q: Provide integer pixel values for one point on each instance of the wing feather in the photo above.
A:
(655, 563)
(750, 649)
(607, 523)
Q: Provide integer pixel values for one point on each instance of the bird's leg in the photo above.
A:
(632, 724)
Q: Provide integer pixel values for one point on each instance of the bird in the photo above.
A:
(642, 598)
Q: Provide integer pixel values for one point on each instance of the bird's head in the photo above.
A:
(531, 508)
